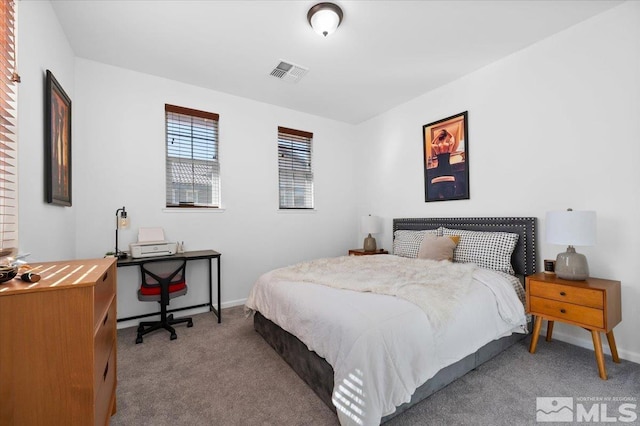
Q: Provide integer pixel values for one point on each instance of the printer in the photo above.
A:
(151, 242)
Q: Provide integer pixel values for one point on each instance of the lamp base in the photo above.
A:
(369, 243)
(571, 265)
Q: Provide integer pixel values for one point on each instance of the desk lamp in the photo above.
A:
(122, 222)
(572, 228)
(370, 225)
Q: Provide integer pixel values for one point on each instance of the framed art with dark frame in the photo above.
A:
(446, 159)
(57, 143)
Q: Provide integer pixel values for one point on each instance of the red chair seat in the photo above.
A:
(147, 290)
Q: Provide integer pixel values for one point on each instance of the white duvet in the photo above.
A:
(382, 347)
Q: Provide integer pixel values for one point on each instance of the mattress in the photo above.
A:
(382, 348)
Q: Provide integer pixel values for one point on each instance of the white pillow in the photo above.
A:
(407, 243)
(491, 250)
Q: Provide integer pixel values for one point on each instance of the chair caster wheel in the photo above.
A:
(174, 336)
(190, 324)
(138, 339)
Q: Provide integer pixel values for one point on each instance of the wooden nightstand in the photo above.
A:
(593, 304)
(361, 252)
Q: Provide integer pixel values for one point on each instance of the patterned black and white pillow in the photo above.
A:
(491, 250)
(407, 243)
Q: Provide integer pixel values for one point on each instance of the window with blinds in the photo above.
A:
(193, 167)
(8, 139)
(294, 169)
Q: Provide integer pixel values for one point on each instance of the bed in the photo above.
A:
(287, 315)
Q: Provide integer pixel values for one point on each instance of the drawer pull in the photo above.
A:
(106, 317)
(562, 293)
(106, 370)
(563, 311)
(104, 278)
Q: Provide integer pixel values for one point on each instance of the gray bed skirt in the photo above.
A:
(318, 374)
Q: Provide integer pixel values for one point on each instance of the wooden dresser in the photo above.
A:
(58, 345)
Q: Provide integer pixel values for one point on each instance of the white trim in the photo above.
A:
(192, 210)
(297, 211)
(588, 344)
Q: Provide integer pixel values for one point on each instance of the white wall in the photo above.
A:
(552, 126)
(45, 230)
(119, 119)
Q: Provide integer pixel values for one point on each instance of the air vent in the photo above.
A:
(289, 72)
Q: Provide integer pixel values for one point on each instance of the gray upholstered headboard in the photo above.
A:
(524, 256)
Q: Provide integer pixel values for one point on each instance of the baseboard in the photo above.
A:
(588, 344)
(185, 313)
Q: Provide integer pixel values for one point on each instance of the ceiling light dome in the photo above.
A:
(325, 18)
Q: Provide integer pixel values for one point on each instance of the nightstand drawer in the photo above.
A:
(568, 312)
(566, 293)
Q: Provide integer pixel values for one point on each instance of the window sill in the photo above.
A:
(192, 210)
(297, 211)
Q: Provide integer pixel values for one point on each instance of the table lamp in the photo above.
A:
(370, 225)
(122, 222)
(574, 228)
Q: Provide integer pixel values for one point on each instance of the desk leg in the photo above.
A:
(219, 310)
(612, 346)
(535, 335)
(597, 347)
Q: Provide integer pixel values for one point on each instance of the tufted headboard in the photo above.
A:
(524, 255)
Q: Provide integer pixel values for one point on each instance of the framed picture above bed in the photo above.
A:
(446, 159)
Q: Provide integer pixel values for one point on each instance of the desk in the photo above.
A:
(189, 255)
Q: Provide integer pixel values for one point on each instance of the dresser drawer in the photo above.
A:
(105, 389)
(566, 293)
(104, 341)
(567, 311)
(104, 292)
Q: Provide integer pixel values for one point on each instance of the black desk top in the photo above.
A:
(189, 255)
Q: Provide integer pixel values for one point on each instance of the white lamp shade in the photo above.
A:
(370, 225)
(573, 228)
(324, 21)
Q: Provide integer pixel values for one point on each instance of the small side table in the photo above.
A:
(361, 252)
(593, 304)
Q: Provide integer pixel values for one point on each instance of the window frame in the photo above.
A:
(172, 115)
(298, 174)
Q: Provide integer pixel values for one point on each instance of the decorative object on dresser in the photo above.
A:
(446, 159)
(593, 304)
(58, 345)
(572, 228)
(363, 252)
(370, 225)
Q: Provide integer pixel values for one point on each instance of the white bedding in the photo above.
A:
(382, 347)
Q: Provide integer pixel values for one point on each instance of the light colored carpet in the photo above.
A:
(226, 374)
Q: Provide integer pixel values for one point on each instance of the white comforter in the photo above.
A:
(382, 347)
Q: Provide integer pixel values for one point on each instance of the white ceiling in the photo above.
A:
(383, 54)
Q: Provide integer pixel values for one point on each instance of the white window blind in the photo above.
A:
(294, 169)
(8, 139)
(193, 167)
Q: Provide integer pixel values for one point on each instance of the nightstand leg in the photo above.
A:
(549, 330)
(535, 335)
(612, 346)
(597, 347)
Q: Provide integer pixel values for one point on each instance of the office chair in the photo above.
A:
(161, 287)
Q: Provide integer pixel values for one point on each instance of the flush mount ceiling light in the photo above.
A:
(325, 18)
